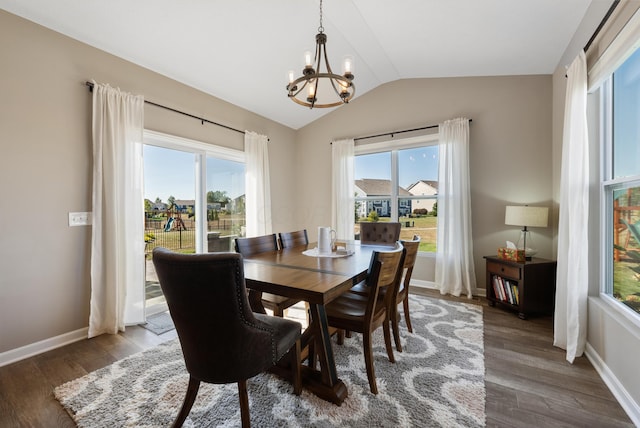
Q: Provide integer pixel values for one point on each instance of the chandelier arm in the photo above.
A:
(294, 85)
(326, 59)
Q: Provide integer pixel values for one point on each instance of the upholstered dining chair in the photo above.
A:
(256, 245)
(293, 239)
(364, 314)
(379, 233)
(222, 340)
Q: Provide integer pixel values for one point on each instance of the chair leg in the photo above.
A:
(190, 397)
(244, 403)
(368, 361)
(295, 368)
(387, 340)
(340, 337)
(405, 306)
(395, 316)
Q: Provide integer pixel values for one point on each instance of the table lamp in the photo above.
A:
(526, 216)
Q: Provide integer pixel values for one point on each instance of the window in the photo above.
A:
(187, 182)
(398, 181)
(621, 183)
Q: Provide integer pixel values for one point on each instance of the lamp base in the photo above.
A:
(524, 243)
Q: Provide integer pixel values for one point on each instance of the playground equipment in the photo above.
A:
(178, 220)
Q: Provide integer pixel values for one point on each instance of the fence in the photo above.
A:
(180, 235)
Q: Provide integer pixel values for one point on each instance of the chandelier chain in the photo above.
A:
(320, 28)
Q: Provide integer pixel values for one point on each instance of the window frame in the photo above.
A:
(201, 150)
(608, 185)
(393, 146)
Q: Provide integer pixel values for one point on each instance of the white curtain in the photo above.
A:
(117, 238)
(343, 197)
(455, 272)
(570, 320)
(258, 186)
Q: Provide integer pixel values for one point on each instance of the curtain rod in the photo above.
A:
(201, 119)
(392, 133)
(604, 21)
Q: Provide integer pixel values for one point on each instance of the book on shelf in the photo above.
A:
(505, 290)
(514, 291)
(497, 288)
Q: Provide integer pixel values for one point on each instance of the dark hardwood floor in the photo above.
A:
(528, 381)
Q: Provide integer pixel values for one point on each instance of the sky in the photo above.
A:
(169, 172)
(626, 131)
(413, 165)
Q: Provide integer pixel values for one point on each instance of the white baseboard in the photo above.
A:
(432, 285)
(45, 345)
(423, 284)
(617, 389)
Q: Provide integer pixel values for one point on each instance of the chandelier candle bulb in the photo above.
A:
(347, 65)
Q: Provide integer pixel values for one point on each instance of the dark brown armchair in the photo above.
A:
(379, 233)
(222, 340)
(256, 245)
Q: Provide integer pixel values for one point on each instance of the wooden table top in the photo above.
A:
(319, 280)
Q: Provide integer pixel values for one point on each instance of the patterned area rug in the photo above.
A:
(438, 381)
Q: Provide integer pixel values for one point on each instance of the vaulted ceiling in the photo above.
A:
(241, 50)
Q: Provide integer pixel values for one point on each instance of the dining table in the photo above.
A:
(300, 272)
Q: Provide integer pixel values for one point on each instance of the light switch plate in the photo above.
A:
(79, 219)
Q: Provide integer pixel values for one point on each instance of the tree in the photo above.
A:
(435, 209)
(171, 202)
(373, 216)
(356, 216)
(158, 200)
(218, 196)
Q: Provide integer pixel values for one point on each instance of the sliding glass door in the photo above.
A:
(194, 200)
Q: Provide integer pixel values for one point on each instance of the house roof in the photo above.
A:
(378, 187)
(432, 183)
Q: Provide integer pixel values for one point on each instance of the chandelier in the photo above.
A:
(316, 88)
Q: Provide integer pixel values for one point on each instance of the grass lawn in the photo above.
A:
(425, 227)
(184, 241)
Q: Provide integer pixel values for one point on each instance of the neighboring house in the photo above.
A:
(368, 187)
(159, 207)
(424, 188)
(183, 205)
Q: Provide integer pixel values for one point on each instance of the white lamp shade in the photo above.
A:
(527, 216)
